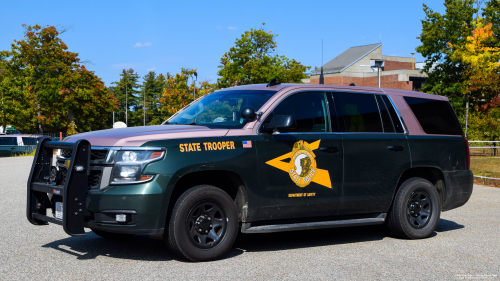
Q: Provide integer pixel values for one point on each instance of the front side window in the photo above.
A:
(310, 110)
(360, 112)
(221, 109)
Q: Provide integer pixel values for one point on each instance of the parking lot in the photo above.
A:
(466, 245)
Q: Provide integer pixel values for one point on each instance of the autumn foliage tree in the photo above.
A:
(481, 75)
(51, 90)
(254, 59)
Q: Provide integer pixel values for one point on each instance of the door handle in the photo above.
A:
(396, 147)
(330, 149)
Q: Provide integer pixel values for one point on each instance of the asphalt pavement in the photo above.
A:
(466, 245)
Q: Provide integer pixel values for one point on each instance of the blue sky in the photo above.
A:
(166, 35)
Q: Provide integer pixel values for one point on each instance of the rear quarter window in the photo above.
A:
(435, 116)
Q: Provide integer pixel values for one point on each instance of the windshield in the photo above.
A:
(221, 109)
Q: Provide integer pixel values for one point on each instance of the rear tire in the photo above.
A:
(416, 210)
(203, 225)
(111, 235)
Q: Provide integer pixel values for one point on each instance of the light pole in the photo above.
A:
(126, 105)
(144, 105)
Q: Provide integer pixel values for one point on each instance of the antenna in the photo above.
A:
(366, 39)
(321, 52)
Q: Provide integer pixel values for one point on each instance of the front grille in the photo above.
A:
(94, 179)
(98, 154)
(66, 153)
(95, 154)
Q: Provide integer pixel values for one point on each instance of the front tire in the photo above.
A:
(416, 210)
(203, 224)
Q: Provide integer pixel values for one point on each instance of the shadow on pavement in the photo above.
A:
(142, 247)
(139, 247)
(446, 225)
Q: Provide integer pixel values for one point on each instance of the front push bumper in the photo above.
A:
(142, 204)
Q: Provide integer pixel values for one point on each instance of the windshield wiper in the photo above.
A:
(173, 123)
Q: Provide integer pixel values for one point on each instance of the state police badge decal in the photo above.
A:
(302, 166)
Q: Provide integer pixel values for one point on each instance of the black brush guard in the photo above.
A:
(73, 192)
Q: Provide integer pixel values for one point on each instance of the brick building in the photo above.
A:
(359, 65)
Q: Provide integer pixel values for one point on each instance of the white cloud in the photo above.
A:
(218, 26)
(232, 27)
(138, 44)
(151, 69)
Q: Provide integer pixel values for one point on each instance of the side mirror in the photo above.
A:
(248, 113)
(281, 122)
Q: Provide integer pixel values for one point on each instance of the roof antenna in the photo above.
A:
(273, 83)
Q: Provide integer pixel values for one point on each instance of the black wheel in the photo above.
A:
(416, 210)
(203, 224)
(111, 235)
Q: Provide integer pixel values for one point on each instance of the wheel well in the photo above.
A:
(228, 181)
(434, 175)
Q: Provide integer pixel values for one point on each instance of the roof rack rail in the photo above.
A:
(272, 83)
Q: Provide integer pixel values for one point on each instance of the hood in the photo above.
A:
(137, 136)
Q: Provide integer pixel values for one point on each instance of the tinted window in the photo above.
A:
(360, 113)
(30, 141)
(384, 113)
(435, 116)
(310, 110)
(395, 119)
(8, 141)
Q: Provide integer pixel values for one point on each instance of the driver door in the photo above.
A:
(300, 170)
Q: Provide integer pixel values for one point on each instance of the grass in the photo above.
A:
(26, 154)
(485, 166)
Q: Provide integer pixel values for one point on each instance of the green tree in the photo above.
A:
(438, 30)
(51, 89)
(128, 92)
(153, 85)
(254, 59)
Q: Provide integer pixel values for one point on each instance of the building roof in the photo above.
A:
(346, 59)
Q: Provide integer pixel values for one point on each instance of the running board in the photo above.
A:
(379, 219)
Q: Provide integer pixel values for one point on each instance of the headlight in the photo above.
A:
(129, 165)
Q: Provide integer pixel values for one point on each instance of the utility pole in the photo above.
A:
(126, 105)
(466, 115)
(195, 75)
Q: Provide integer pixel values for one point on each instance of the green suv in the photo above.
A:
(259, 159)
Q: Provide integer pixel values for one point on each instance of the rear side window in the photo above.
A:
(360, 112)
(395, 119)
(435, 116)
(8, 141)
(30, 141)
(384, 113)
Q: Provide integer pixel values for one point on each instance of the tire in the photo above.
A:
(203, 224)
(111, 235)
(416, 210)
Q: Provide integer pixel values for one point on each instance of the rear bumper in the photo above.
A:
(458, 188)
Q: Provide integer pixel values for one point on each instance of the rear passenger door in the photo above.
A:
(376, 151)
